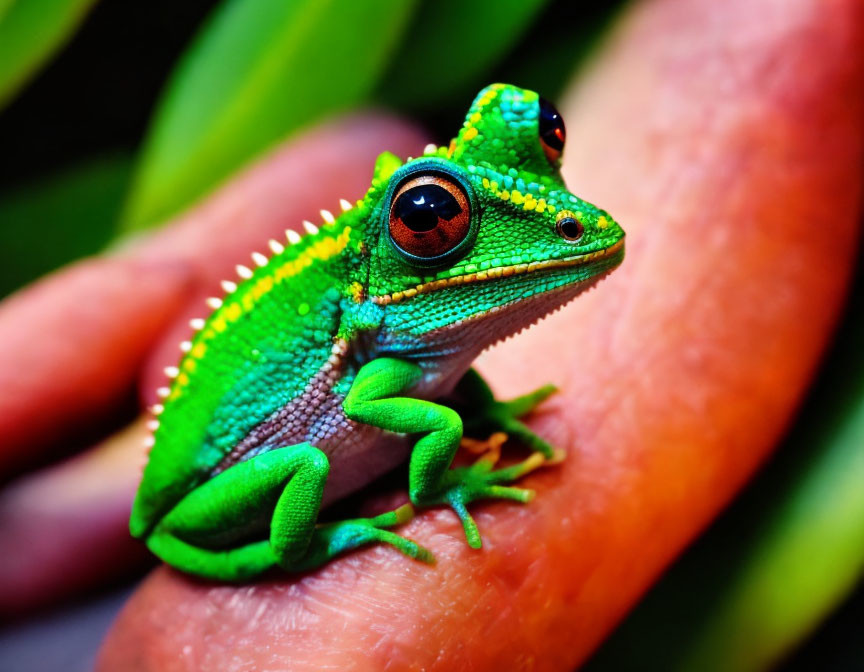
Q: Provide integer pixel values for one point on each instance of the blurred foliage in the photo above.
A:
(30, 31)
(258, 70)
(836, 644)
(564, 37)
(60, 218)
(96, 97)
(788, 551)
(444, 57)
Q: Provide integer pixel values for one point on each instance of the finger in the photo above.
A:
(71, 347)
(62, 528)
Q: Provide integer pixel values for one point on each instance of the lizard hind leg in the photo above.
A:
(293, 476)
(287, 481)
(482, 412)
(299, 547)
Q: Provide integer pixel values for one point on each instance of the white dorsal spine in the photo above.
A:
(153, 425)
(431, 148)
(229, 287)
(149, 441)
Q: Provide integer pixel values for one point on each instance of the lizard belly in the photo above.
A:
(358, 453)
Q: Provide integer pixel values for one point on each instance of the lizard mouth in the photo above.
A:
(501, 272)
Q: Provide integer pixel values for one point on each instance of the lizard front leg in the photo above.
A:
(372, 400)
(289, 482)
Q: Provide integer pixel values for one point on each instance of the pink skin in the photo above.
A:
(71, 346)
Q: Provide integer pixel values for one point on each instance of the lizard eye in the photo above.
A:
(551, 130)
(429, 216)
(568, 227)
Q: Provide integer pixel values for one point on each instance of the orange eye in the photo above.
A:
(551, 129)
(429, 216)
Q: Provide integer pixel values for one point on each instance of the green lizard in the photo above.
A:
(317, 372)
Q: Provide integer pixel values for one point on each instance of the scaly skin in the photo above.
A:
(315, 374)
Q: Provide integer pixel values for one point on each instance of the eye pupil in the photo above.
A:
(420, 207)
(570, 228)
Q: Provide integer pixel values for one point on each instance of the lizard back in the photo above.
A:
(258, 372)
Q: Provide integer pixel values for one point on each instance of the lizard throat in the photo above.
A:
(494, 273)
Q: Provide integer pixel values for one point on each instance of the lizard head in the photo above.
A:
(485, 230)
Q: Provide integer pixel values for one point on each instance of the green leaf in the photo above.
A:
(258, 70)
(47, 224)
(30, 31)
(558, 43)
(452, 46)
(810, 557)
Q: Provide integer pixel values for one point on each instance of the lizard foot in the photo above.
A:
(484, 413)
(332, 539)
(481, 481)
